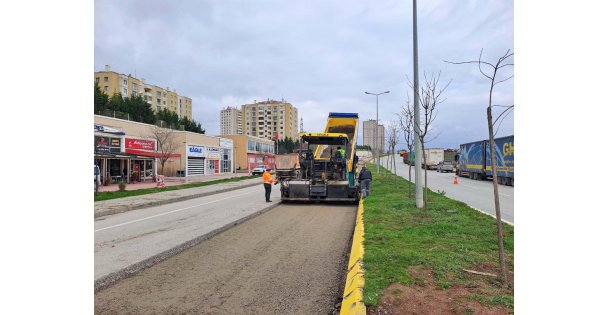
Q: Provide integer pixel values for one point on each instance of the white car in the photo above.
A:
(445, 166)
(260, 169)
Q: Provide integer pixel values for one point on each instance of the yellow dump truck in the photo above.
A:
(325, 167)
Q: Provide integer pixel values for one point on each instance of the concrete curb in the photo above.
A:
(352, 300)
(493, 216)
(125, 208)
(114, 277)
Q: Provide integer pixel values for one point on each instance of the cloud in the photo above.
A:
(319, 55)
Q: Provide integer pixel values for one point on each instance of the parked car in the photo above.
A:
(445, 166)
(258, 170)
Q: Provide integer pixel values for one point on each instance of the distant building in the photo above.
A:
(261, 119)
(250, 151)
(374, 140)
(111, 82)
(231, 119)
(270, 118)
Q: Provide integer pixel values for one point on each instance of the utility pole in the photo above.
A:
(418, 146)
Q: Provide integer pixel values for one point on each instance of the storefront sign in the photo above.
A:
(213, 153)
(106, 129)
(226, 143)
(196, 151)
(140, 144)
(107, 144)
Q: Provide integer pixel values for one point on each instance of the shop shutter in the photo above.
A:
(196, 166)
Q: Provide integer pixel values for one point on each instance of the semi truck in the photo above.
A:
(319, 172)
(475, 160)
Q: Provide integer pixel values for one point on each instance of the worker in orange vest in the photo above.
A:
(268, 180)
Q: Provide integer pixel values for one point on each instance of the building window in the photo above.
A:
(97, 80)
(124, 82)
(105, 79)
(105, 88)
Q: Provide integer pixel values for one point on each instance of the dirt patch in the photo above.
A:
(424, 297)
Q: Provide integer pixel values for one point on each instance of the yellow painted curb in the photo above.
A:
(352, 300)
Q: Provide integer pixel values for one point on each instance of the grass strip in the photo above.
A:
(452, 237)
(107, 195)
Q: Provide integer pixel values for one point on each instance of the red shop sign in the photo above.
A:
(139, 144)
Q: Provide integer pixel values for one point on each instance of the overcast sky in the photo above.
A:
(321, 56)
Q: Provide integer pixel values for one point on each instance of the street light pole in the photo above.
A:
(418, 144)
(376, 131)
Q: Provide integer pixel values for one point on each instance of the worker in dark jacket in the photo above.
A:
(365, 180)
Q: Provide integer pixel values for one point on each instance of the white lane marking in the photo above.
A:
(172, 211)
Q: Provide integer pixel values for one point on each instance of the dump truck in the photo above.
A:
(474, 160)
(319, 172)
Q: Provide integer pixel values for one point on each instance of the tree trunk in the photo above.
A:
(409, 187)
(395, 165)
(424, 191)
(501, 250)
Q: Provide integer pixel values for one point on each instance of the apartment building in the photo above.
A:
(111, 82)
(369, 137)
(269, 119)
(231, 121)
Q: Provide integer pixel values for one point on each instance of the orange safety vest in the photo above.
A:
(267, 178)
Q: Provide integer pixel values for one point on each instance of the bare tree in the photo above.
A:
(166, 144)
(406, 121)
(392, 136)
(430, 95)
(504, 61)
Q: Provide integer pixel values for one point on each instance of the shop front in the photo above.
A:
(108, 155)
(213, 160)
(195, 162)
(226, 151)
(203, 160)
(114, 162)
(141, 169)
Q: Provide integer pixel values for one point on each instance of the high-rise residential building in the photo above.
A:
(374, 140)
(231, 121)
(269, 118)
(111, 82)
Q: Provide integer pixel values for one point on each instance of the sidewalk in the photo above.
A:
(172, 181)
(114, 206)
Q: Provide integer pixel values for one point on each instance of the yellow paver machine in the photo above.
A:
(325, 167)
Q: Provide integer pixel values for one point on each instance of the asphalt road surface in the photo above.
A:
(289, 260)
(124, 239)
(475, 193)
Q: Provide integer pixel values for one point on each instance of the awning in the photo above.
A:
(151, 154)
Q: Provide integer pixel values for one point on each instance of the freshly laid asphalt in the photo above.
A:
(119, 205)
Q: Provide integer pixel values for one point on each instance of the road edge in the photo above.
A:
(492, 215)
(125, 208)
(112, 278)
(352, 300)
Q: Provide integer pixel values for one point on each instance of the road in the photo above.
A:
(477, 194)
(289, 260)
(132, 237)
